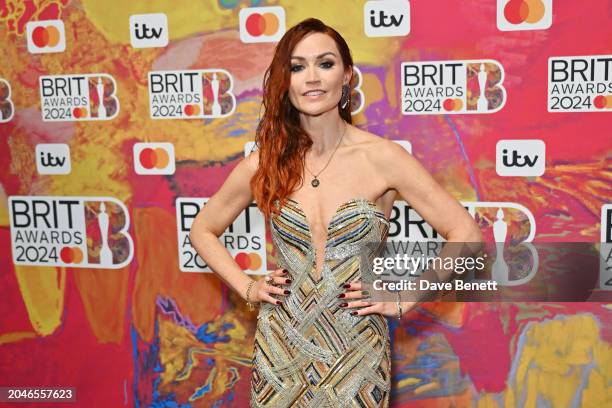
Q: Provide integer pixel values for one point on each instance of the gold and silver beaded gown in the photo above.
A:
(309, 351)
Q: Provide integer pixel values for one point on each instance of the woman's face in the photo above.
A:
(317, 75)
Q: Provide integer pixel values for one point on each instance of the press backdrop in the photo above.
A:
(125, 314)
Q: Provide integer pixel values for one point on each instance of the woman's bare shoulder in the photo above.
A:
(374, 146)
(252, 161)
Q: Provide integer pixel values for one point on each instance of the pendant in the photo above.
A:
(315, 182)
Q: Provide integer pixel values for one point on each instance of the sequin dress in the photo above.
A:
(309, 351)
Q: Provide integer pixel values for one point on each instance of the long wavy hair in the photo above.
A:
(280, 138)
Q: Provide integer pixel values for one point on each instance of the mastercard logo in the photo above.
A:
(603, 101)
(46, 36)
(79, 112)
(248, 261)
(524, 11)
(262, 24)
(71, 255)
(529, 14)
(452, 104)
(154, 158)
(191, 109)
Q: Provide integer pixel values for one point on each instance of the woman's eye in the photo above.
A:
(327, 64)
(296, 68)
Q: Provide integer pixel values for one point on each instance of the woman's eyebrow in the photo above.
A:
(318, 56)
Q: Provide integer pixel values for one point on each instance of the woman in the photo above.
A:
(322, 185)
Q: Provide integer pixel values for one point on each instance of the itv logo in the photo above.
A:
(524, 158)
(53, 158)
(386, 18)
(149, 30)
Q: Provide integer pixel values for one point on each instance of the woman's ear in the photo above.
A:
(348, 76)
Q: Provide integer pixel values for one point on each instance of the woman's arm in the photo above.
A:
(215, 217)
(416, 186)
(438, 208)
(404, 174)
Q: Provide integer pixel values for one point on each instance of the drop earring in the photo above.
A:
(344, 99)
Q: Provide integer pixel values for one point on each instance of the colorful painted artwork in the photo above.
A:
(113, 314)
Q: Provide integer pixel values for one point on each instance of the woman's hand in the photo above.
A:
(357, 299)
(273, 284)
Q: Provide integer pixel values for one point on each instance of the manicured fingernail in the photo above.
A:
(287, 292)
(342, 295)
(354, 313)
(278, 302)
(285, 271)
(346, 286)
(288, 281)
(343, 304)
(365, 293)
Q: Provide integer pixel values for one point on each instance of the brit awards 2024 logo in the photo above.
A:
(386, 18)
(154, 158)
(79, 232)
(45, 36)
(78, 97)
(580, 84)
(245, 238)
(516, 15)
(7, 109)
(149, 30)
(509, 223)
(191, 94)
(452, 87)
(261, 24)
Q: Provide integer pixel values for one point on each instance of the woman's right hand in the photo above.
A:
(275, 283)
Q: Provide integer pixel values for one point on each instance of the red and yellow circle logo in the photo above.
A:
(157, 158)
(71, 255)
(262, 24)
(603, 101)
(46, 36)
(79, 113)
(250, 261)
(452, 104)
(524, 11)
(192, 110)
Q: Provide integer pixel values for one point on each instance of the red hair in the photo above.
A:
(280, 138)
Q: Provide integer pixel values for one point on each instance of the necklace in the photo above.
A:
(315, 181)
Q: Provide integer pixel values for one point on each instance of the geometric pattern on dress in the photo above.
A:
(310, 352)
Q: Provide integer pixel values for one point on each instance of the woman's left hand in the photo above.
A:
(358, 299)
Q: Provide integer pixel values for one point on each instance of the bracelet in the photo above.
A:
(399, 306)
(250, 304)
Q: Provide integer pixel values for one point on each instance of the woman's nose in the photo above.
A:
(312, 76)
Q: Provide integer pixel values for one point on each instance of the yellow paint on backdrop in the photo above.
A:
(197, 296)
(185, 17)
(4, 215)
(42, 289)
(104, 296)
(14, 337)
(346, 17)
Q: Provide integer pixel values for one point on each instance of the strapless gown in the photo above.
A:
(309, 351)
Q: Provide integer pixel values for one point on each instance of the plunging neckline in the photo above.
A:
(336, 213)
